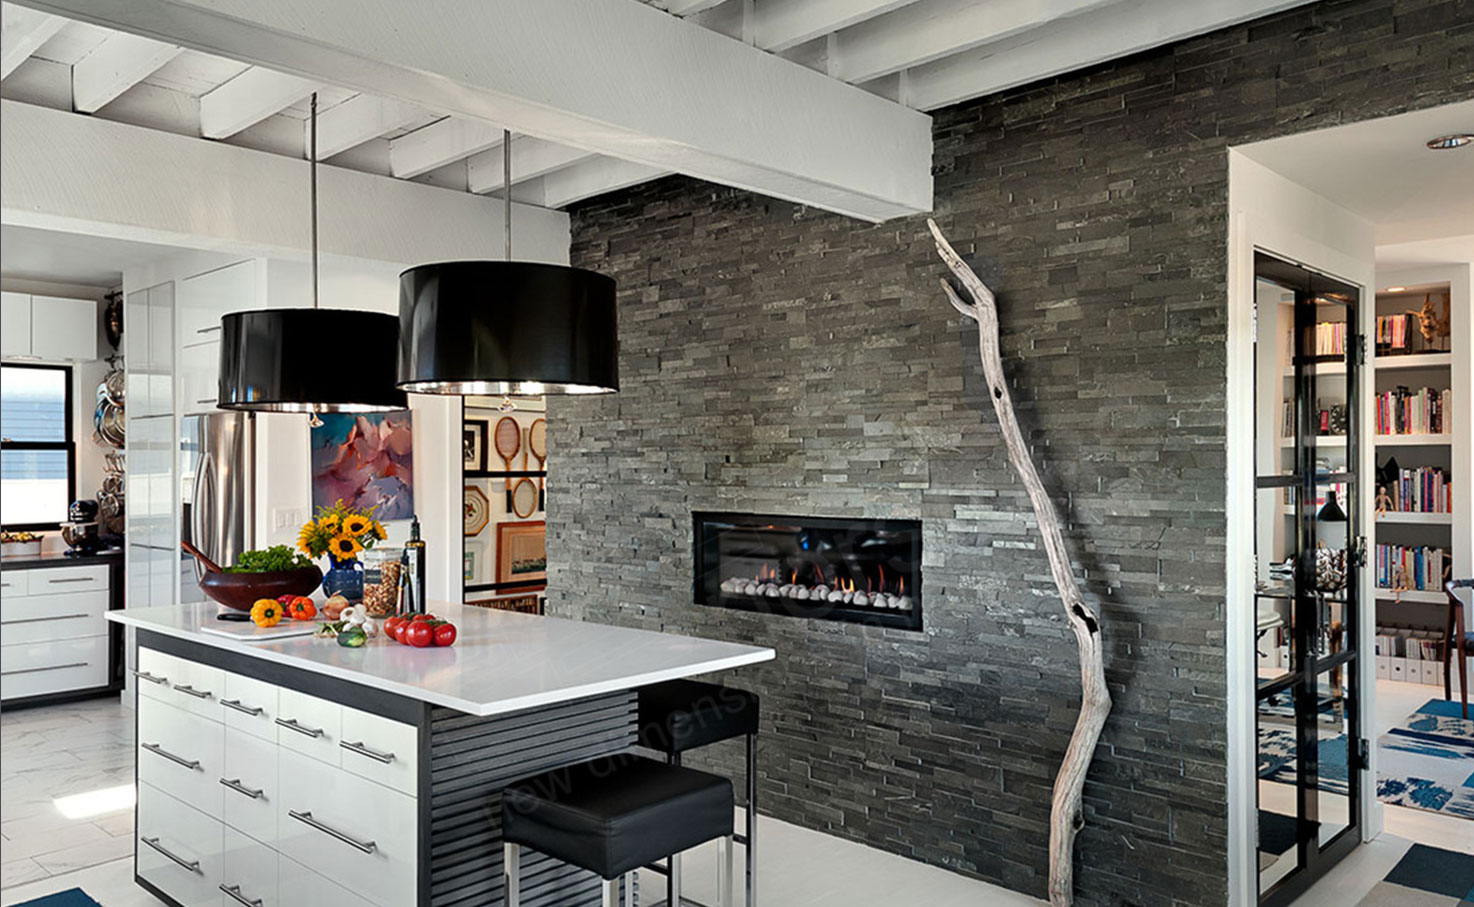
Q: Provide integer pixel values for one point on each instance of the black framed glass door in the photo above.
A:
(1308, 550)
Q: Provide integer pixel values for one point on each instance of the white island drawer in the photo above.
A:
(56, 580)
(309, 725)
(357, 833)
(179, 849)
(381, 750)
(249, 784)
(248, 876)
(250, 705)
(53, 666)
(301, 887)
(181, 754)
(182, 683)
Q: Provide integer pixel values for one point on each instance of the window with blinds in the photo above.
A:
(37, 454)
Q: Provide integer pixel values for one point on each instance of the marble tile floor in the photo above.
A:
(60, 750)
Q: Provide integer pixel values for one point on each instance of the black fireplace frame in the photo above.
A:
(896, 619)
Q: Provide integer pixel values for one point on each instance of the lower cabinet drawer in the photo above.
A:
(181, 754)
(44, 610)
(301, 887)
(380, 749)
(357, 833)
(308, 725)
(249, 785)
(35, 669)
(248, 877)
(250, 705)
(179, 849)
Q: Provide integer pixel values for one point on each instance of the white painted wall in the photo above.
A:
(1271, 213)
(85, 378)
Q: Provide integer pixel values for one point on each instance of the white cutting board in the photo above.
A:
(246, 631)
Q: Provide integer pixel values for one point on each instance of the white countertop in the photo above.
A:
(501, 661)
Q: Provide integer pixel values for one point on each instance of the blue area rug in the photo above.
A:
(1426, 876)
(1277, 759)
(1427, 762)
(72, 897)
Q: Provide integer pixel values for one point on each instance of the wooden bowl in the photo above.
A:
(241, 590)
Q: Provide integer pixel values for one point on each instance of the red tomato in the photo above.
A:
(445, 634)
(391, 624)
(419, 634)
(419, 618)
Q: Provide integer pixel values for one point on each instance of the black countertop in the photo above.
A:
(60, 559)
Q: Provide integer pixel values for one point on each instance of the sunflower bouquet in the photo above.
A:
(340, 531)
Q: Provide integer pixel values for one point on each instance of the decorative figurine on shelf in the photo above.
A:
(1399, 583)
(341, 532)
(1434, 326)
(1383, 501)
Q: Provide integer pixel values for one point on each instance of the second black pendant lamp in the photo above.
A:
(271, 360)
(507, 327)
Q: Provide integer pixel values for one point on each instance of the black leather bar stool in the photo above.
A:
(613, 815)
(681, 715)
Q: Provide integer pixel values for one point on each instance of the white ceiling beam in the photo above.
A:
(87, 174)
(932, 29)
(248, 99)
(443, 142)
(595, 177)
(116, 65)
(781, 25)
(360, 119)
(531, 158)
(619, 78)
(1125, 28)
(23, 30)
(688, 7)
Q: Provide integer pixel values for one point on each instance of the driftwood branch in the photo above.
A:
(1066, 816)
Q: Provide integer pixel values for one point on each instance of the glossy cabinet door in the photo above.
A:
(310, 726)
(380, 750)
(181, 754)
(63, 329)
(248, 876)
(179, 848)
(15, 324)
(251, 789)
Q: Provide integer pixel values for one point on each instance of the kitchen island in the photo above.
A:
(299, 772)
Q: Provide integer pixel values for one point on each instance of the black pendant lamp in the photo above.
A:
(507, 327)
(271, 359)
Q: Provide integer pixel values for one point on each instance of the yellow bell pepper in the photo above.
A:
(266, 612)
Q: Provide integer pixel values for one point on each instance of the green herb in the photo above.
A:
(271, 560)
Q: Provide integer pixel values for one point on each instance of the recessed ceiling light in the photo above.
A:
(1452, 140)
(1394, 289)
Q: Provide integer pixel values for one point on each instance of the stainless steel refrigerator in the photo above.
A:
(218, 472)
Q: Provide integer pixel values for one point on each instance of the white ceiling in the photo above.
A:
(922, 54)
(95, 261)
(1381, 170)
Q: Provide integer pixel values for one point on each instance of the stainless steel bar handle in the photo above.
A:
(191, 865)
(292, 725)
(234, 892)
(73, 579)
(306, 818)
(38, 620)
(189, 690)
(160, 751)
(362, 750)
(252, 710)
(75, 664)
(236, 785)
(151, 678)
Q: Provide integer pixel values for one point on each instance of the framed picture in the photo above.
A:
(522, 552)
(477, 509)
(365, 460)
(473, 445)
(468, 565)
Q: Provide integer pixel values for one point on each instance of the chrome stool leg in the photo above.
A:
(724, 871)
(512, 873)
(751, 842)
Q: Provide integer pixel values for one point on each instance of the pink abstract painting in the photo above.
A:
(365, 460)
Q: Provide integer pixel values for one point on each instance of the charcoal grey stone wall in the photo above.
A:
(780, 359)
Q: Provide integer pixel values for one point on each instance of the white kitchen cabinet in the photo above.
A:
(180, 849)
(15, 324)
(204, 298)
(51, 328)
(64, 329)
(199, 377)
(54, 633)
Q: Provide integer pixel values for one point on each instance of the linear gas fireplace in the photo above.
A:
(866, 571)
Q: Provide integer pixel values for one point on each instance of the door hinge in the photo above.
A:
(1363, 754)
(1361, 349)
(1359, 553)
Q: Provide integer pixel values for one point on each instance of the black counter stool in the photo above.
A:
(613, 815)
(681, 715)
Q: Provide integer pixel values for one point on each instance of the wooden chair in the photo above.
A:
(1457, 642)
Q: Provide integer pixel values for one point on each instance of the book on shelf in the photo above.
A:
(1403, 411)
(1423, 489)
(1393, 334)
(1411, 568)
(1330, 339)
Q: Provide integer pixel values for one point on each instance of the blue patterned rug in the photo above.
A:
(72, 897)
(1426, 877)
(1277, 759)
(1427, 762)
